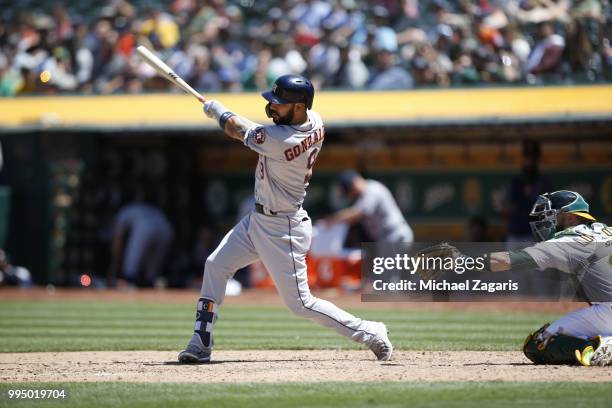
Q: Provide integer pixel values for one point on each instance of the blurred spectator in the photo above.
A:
(142, 236)
(374, 207)
(351, 72)
(324, 58)
(539, 11)
(201, 75)
(523, 191)
(234, 45)
(161, 29)
(546, 55)
(387, 74)
(431, 67)
(607, 52)
(309, 15)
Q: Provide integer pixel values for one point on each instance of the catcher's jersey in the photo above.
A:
(584, 251)
(286, 157)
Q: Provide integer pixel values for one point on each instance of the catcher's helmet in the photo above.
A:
(548, 205)
(291, 89)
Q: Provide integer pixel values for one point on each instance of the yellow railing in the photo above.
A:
(335, 107)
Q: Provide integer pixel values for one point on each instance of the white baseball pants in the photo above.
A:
(281, 243)
(586, 322)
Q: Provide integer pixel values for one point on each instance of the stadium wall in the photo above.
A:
(442, 169)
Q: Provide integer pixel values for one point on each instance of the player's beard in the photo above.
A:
(281, 120)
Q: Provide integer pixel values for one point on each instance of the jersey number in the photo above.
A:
(587, 239)
(260, 168)
(311, 161)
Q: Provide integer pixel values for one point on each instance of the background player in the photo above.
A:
(375, 207)
(278, 231)
(142, 236)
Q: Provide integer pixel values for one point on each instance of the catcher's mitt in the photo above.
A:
(434, 259)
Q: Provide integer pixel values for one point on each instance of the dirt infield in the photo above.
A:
(283, 365)
(287, 366)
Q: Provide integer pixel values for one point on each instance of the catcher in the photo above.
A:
(574, 243)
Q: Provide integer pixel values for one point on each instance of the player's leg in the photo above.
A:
(157, 250)
(133, 256)
(586, 322)
(235, 251)
(593, 322)
(282, 243)
(582, 336)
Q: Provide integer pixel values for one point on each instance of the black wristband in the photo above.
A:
(224, 118)
(521, 261)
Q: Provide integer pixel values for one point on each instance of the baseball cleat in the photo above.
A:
(603, 355)
(381, 345)
(584, 356)
(194, 356)
(600, 355)
(195, 352)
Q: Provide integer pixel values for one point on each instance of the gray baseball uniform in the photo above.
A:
(280, 237)
(584, 251)
(150, 237)
(383, 219)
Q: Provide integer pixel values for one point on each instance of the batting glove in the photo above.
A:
(214, 109)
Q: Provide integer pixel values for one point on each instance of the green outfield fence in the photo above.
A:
(441, 176)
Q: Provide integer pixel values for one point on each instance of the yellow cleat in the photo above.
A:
(584, 357)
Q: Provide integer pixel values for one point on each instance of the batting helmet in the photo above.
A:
(291, 89)
(546, 207)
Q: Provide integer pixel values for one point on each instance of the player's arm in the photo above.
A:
(233, 125)
(540, 256)
(511, 261)
(364, 206)
(237, 127)
(253, 135)
(349, 215)
(117, 245)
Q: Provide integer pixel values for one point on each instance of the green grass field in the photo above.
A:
(69, 326)
(394, 394)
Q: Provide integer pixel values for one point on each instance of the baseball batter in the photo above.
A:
(574, 243)
(278, 230)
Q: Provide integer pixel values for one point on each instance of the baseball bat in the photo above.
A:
(164, 70)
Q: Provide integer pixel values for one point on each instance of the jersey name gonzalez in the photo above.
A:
(305, 144)
(287, 155)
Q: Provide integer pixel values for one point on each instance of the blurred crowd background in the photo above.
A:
(239, 45)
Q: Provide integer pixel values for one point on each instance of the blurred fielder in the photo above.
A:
(278, 230)
(373, 206)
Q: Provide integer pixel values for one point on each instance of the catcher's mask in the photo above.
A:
(544, 212)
